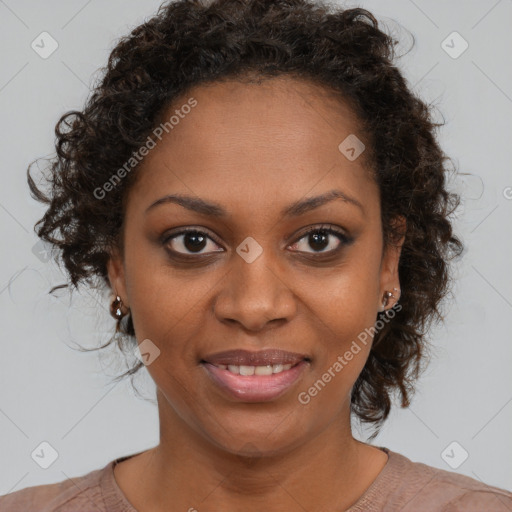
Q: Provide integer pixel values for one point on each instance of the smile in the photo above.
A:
(255, 383)
(268, 369)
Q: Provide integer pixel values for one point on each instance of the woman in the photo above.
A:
(266, 200)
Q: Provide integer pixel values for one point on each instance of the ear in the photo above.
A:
(389, 278)
(116, 275)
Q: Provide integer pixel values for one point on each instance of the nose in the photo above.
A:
(255, 294)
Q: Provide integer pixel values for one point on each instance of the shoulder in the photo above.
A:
(491, 499)
(419, 487)
(73, 494)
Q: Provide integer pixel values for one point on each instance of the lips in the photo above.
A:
(265, 357)
(254, 388)
(246, 376)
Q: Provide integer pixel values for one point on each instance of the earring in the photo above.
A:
(387, 296)
(115, 308)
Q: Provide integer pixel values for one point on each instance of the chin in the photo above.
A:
(250, 438)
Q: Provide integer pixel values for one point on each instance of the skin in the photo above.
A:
(254, 149)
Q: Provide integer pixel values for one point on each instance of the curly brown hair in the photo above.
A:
(189, 42)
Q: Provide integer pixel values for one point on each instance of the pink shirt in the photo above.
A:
(402, 485)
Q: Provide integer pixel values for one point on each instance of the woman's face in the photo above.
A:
(253, 279)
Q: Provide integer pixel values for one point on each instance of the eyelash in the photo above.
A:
(344, 239)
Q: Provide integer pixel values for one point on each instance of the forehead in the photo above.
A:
(273, 141)
(279, 112)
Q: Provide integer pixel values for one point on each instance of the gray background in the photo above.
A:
(50, 392)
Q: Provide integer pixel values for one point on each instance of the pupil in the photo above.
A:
(315, 237)
(196, 241)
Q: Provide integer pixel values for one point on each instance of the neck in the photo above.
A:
(190, 471)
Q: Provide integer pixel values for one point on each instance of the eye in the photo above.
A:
(189, 241)
(317, 237)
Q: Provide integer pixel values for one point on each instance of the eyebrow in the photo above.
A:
(297, 208)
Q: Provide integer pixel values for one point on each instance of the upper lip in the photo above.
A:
(261, 358)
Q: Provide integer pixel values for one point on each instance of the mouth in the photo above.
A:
(266, 357)
(247, 370)
(255, 376)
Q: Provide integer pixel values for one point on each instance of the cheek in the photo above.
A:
(345, 338)
(342, 313)
(167, 311)
(343, 300)
(163, 299)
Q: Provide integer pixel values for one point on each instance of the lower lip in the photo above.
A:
(255, 388)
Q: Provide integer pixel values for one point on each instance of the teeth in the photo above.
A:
(264, 370)
(247, 370)
(268, 369)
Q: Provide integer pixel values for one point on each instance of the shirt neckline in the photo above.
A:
(115, 499)
(383, 485)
